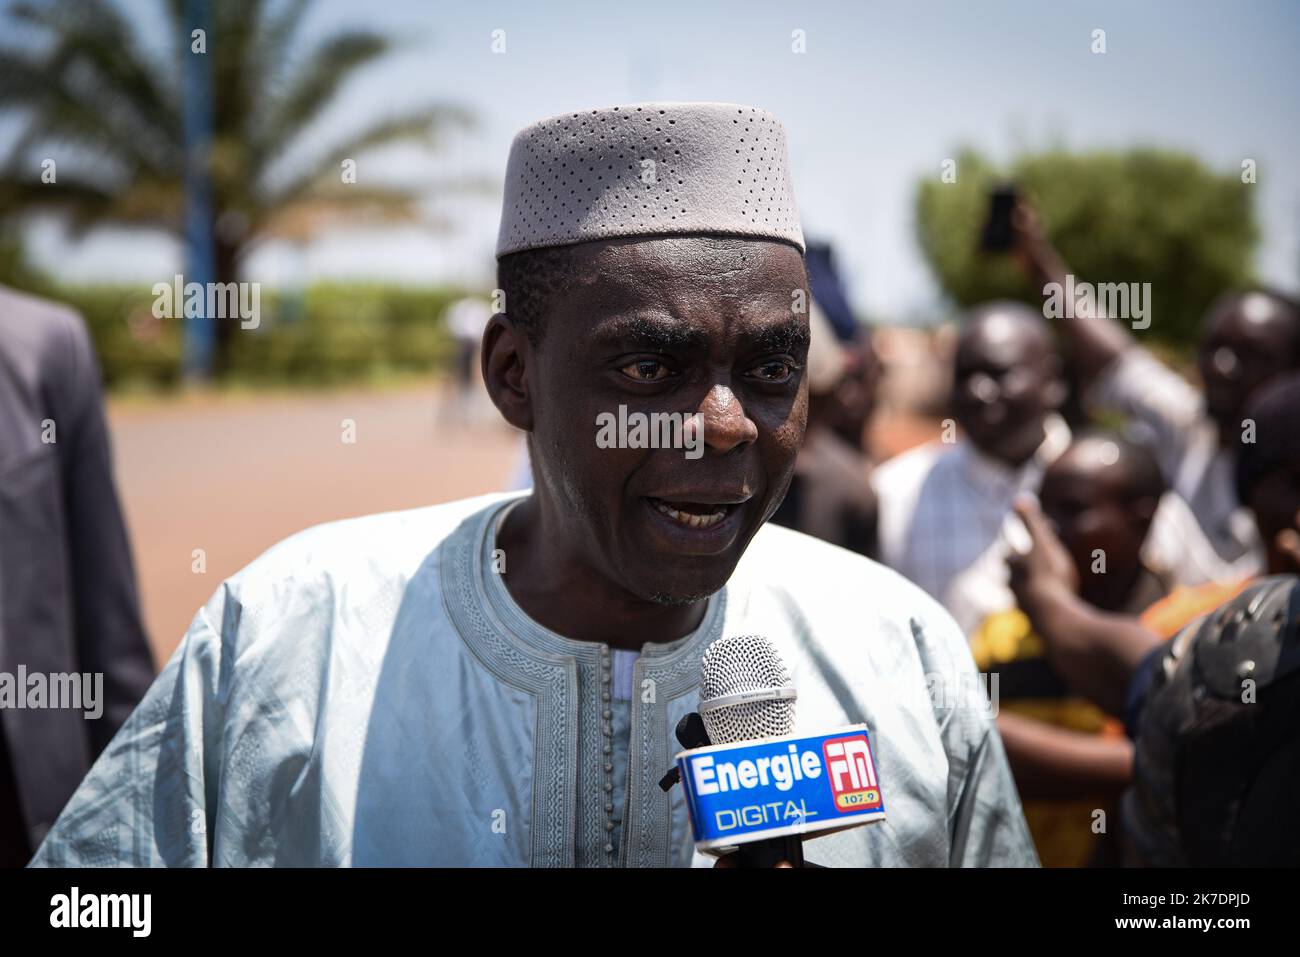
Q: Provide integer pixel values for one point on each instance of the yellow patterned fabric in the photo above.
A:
(1062, 830)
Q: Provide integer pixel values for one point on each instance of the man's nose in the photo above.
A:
(724, 420)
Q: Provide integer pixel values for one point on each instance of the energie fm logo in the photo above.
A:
(787, 785)
(852, 773)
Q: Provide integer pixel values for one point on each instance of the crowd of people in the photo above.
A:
(1076, 558)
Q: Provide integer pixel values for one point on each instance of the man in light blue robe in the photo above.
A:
(496, 681)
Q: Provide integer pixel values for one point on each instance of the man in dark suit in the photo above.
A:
(67, 590)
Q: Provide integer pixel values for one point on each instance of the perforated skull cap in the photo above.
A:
(648, 169)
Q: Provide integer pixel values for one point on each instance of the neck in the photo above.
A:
(1111, 591)
(561, 591)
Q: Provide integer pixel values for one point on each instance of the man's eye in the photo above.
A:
(646, 370)
(775, 371)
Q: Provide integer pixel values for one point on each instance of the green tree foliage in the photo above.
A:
(92, 93)
(1139, 216)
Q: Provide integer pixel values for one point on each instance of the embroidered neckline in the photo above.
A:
(563, 674)
(541, 638)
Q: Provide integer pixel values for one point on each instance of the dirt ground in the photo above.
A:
(234, 474)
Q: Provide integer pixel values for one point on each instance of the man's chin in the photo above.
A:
(1014, 443)
(683, 587)
(982, 435)
(680, 600)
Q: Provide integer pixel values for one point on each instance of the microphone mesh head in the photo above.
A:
(741, 664)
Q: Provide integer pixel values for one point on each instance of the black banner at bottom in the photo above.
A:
(302, 906)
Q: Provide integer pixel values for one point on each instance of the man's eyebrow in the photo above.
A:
(655, 335)
(786, 336)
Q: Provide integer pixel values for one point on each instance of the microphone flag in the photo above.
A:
(754, 790)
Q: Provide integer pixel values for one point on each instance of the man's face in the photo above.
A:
(854, 399)
(1275, 502)
(1003, 380)
(1247, 342)
(1092, 510)
(674, 325)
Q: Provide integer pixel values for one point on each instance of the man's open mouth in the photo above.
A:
(692, 514)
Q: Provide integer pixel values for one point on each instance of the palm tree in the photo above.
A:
(84, 78)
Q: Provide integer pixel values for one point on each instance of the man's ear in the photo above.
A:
(505, 372)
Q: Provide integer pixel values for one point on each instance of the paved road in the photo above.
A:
(232, 475)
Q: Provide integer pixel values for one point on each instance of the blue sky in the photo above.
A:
(884, 93)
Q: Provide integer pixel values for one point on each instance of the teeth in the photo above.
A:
(689, 520)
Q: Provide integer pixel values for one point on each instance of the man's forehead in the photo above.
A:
(1002, 337)
(1088, 458)
(683, 276)
(1253, 315)
(644, 268)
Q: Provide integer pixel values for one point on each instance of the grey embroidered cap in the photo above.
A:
(652, 169)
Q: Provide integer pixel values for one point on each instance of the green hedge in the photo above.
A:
(330, 333)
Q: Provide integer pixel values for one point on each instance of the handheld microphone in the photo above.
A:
(750, 784)
(745, 694)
